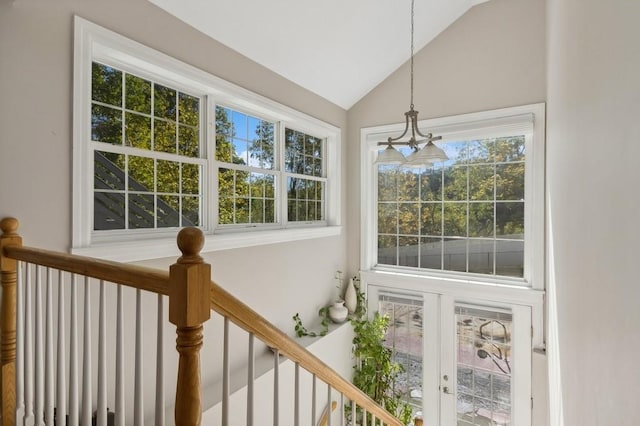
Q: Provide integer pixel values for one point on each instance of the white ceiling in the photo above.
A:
(338, 49)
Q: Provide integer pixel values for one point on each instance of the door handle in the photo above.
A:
(446, 390)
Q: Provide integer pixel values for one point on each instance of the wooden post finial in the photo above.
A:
(190, 242)
(9, 226)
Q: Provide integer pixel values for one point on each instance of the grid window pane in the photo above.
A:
(138, 190)
(478, 194)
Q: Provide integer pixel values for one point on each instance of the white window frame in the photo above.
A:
(528, 119)
(95, 43)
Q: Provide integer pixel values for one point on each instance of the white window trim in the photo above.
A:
(93, 42)
(481, 124)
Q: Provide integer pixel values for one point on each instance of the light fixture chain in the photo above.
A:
(412, 7)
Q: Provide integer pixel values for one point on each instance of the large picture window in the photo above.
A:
(465, 215)
(477, 216)
(159, 145)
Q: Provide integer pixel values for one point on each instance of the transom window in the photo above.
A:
(159, 144)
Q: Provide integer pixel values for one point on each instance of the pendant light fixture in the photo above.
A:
(425, 156)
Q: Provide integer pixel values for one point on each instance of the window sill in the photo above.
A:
(131, 251)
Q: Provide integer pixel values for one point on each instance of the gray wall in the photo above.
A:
(593, 147)
(36, 71)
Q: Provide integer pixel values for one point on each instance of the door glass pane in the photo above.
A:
(484, 367)
(404, 338)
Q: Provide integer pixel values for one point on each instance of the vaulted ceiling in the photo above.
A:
(338, 49)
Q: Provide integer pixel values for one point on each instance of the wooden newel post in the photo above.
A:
(189, 307)
(9, 271)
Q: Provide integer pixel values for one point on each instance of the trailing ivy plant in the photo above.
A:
(301, 330)
(375, 371)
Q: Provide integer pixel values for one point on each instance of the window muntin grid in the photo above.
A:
(247, 176)
(463, 215)
(146, 140)
(484, 367)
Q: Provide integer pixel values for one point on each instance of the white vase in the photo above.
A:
(350, 297)
(338, 312)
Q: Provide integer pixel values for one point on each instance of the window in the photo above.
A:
(146, 145)
(466, 214)
(476, 216)
(159, 145)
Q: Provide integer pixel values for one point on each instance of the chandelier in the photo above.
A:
(425, 156)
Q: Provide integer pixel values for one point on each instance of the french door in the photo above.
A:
(466, 362)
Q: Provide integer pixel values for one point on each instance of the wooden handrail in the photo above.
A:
(139, 277)
(246, 318)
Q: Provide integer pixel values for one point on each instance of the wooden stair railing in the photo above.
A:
(187, 285)
(192, 297)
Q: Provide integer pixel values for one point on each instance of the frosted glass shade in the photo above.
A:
(390, 156)
(431, 154)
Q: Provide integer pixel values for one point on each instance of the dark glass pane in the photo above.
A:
(510, 220)
(317, 167)
(294, 146)
(137, 131)
(137, 94)
(387, 218)
(257, 210)
(242, 210)
(141, 176)
(302, 211)
(455, 219)
(510, 258)
(455, 183)
(387, 250)
(168, 176)
(106, 84)
(108, 211)
(510, 149)
(481, 182)
(510, 181)
(269, 187)
(242, 184)
(168, 211)
(164, 134)
(106, 124)
(257, 185)
(226, 181)
(190, 211)
(190, 179)
(431, 219)
(108, 170)
(164, 102)
(292, 210)
(408, 251)
(225, 210)
(188, 109)
(431, 185)
(481, 219)
(312, 210)
(141, 211)
(188, 144)
(269, 211)
(408, 218)
(481, 151)
(387, 183)
(224, 149)
(455, 255)
(481, 256)
(431, 253)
